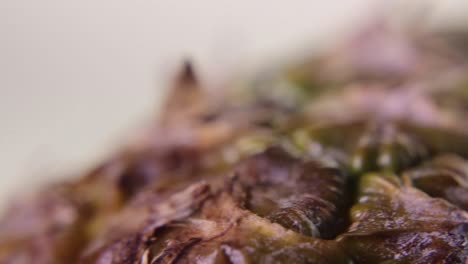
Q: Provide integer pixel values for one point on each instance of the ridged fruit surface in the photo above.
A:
(356, 156)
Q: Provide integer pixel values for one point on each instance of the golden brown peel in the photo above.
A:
(357, 157)
(403, 224)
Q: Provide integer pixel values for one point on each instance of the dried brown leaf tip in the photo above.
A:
(185, 99)
(187, 74)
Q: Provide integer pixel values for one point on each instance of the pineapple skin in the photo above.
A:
(351, 157)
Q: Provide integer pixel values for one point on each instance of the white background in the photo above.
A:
(75, 76)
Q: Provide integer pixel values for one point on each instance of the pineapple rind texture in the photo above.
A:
(356, 156)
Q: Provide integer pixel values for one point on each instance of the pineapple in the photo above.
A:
(357, 156)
